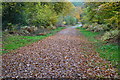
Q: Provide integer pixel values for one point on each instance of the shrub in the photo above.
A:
(96, 27)
(51, 27)
(29, 29)
(113, 34)
(85, 26)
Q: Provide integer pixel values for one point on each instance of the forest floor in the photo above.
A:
(68, 54)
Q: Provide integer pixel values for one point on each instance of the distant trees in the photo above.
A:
(34, 13)
(70, 20)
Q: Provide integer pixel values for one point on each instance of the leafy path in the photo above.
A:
(67, 54)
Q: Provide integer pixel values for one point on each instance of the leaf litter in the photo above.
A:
(68, 54)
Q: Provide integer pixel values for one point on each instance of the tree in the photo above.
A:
(34, 13)
(101, 13)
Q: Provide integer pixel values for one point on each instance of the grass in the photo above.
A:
(14, 42)
(108, 51)
(89, 34)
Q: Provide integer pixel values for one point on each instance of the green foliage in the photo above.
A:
(102, 13)
(102, 16)
(60, 7)
(70, 20)
(12, 13)
(34, 13)
(45, 16)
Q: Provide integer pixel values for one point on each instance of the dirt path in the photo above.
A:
(67, 54)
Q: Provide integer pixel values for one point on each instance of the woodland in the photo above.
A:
(61, 40)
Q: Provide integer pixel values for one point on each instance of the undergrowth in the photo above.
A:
(108, 51)
(12, 42)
